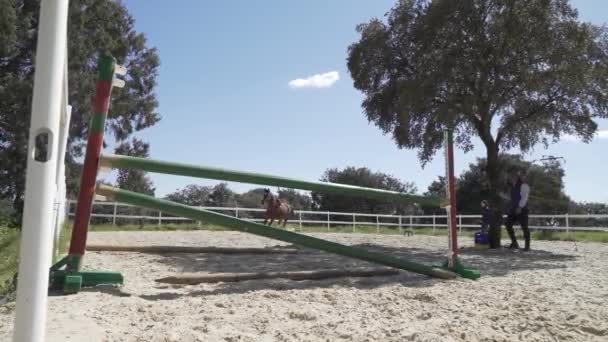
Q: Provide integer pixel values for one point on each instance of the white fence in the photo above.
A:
(110, 212)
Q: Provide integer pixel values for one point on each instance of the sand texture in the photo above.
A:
(558, 292)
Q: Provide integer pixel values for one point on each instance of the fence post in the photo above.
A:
(354, 222)
(160, 218)
(377, 225)
(400, 228)
(434, 223)
(236, 212)
(328, 221)
(460, 223)
(411, 222)
(567, 224)
(114, 214)
(300, 219)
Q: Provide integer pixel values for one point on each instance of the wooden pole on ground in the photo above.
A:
(186, 249)
(194, 278)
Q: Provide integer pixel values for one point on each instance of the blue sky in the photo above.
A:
(226, 100)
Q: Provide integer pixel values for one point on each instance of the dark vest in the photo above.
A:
(516, 195)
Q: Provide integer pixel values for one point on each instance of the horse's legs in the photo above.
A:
(284, 221)
(271, 220)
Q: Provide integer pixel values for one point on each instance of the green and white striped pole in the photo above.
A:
(172, 168)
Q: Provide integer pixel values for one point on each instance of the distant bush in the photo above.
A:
(7, 214)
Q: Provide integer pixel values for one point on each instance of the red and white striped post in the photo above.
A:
(451, 196)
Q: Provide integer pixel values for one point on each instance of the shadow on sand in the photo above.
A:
(491, 263)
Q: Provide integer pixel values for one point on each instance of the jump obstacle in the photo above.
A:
(49, 117)
(69, 275)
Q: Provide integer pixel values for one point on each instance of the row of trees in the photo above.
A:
(546, 180)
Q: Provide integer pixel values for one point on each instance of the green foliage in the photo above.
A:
(513, 73)
(222, 196)
(7, 214)
(194, 195)
(93, 27)
(219, 195)
(362, 177)
(251, 198)
(297, 200)
(9, 254)
(134, 180)
(546, 184)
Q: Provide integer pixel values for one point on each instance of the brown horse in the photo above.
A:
(275, 209)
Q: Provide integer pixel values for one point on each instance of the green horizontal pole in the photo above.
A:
(182, 210)
(150, 165)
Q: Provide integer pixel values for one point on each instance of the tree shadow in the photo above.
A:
(491, 263)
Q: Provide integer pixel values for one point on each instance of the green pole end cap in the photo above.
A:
(72, 284)
(105, 67)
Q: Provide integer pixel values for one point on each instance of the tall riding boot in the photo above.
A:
(514, 244)
(527, 239)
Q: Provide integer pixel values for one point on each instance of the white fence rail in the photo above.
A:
(111, 211)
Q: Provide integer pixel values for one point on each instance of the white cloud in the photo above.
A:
(325, 80)
(601, 134)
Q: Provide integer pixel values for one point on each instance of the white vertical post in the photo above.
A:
(236, 212)
(434, 223)
(411, 222)
(114, 214)
(64, 126)
(377, 225)
(459, 223)
(36, 245)
(160, 218)
(354, 223)
(400, 228)
(567, 224)
(328, 221)
(300, 219)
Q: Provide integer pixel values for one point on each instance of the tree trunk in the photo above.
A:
(493, 178)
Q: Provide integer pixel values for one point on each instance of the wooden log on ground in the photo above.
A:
(197, 278)
(186, 249)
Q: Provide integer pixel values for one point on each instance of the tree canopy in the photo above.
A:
(298, 200)
(513, 73)
(361, 177)
(131, 179)
(192, 194)
(546, 184)
(93, 27)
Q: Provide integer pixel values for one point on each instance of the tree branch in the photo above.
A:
(515, 118)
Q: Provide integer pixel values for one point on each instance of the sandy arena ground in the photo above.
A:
(558, 292)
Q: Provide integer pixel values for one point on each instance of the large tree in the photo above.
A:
(222, 196)
(93, 27)
(513, 73)
(547, 185)
(134, 180)
(298, 200)
(192, 194)
(361, 177)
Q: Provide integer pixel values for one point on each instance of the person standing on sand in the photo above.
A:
(518, 209)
